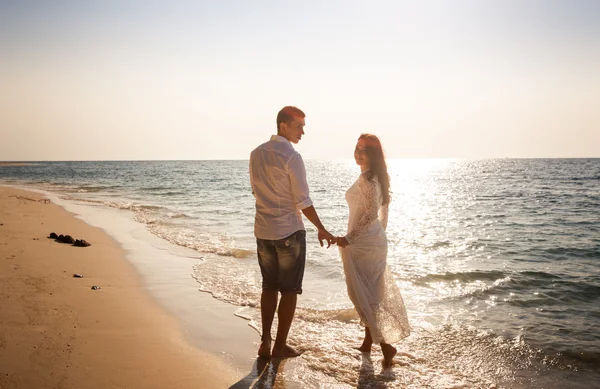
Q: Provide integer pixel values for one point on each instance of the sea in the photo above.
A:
(498, 261)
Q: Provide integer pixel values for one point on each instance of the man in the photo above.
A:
(278, 180)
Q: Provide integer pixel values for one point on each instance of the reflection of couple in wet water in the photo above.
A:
(278, 180)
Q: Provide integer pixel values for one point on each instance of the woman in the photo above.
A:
(371, 286)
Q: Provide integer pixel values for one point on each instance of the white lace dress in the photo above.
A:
(371, 286)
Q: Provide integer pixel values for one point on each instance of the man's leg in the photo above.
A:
(285, 314)
(268, 305)
(267, 260)
(291, 253)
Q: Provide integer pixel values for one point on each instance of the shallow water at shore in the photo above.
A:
(497, 261)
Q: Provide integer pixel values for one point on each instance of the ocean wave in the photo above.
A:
(469, 276)
(539, 276)
(93, 189)
(324, 316)
(573, 252)
(144, 207)
(585, 178)
(427, 246)
(162, 222)
(590, 359)
(178, 216)
(514, 361)
(161, 191)
(134, 207)
(152, 188)
(201, 241)
(539, 290)
(575, 292)
(523, 289)
(225, 280)
(232, 252)
(172, 193)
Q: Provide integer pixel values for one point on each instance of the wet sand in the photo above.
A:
(56, 332)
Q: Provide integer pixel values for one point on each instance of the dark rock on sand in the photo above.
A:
(69, 239)
(76, 275)
(81, 243)
(95, 287)
(65, 239)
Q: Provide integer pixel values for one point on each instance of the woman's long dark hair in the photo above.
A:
(377, 165)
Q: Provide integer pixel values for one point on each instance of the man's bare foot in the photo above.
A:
(389, 352)
(264, 351)
(287, 352)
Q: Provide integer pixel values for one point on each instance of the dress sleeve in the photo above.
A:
(368, 190)
(383, 215)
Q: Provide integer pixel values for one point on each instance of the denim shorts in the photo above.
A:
(282, 262)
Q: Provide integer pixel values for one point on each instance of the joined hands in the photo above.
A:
(341, 241)
(323, 234)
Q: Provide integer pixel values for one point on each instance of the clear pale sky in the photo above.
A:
(123, 80)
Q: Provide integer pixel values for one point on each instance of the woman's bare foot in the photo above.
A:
(264, 351)
(364, 348)
(389, 352)
(286, 352)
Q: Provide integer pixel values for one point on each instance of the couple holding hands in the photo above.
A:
(278, 180)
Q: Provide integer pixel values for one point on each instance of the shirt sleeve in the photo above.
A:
(368, 190)
(297, 173)
(251, 179)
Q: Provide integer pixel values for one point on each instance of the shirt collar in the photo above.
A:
(279, 138)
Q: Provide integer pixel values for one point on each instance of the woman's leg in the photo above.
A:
(367, 342)
(389, 352)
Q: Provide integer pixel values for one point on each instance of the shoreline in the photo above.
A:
(56, 331)
(165, 270)
(145, 215)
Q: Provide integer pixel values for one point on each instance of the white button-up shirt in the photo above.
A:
(278, 180)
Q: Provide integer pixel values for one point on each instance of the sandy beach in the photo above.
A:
(57, 332)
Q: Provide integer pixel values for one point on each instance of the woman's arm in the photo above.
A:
(368, 190)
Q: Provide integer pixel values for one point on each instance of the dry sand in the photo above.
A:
(56, 332)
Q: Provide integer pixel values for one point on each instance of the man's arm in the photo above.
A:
(323, 234)
(250, 172)
(300, 190)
